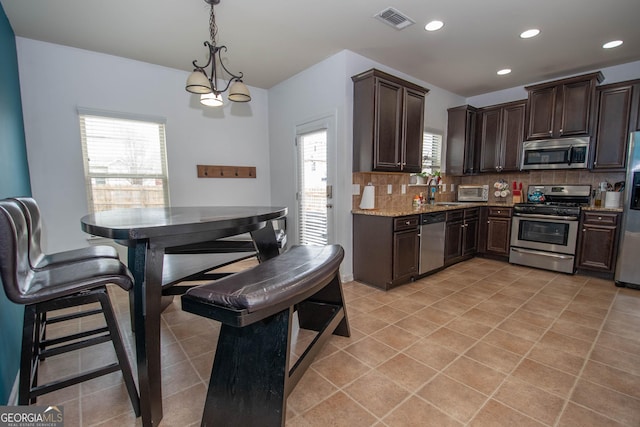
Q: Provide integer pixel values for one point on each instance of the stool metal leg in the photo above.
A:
(121, 354)
(27, 355)
(250, 370)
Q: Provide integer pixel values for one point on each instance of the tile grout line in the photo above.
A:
(584, 365)
(522, 357)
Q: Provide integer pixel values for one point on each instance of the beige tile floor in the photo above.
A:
(482, 343)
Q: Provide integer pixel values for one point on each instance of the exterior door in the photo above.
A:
(315, 186)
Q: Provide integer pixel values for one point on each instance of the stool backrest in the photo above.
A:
(32, 215)
(14, 251)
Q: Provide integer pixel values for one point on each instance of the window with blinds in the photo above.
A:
(312, 187)
(125, 161)
(431, 152)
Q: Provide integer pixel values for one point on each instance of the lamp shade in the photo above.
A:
(198, 83)
(211, 99)
(239, 92)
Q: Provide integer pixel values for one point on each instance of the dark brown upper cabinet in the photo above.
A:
(562, 107)
(501, 132)
(612, 130)
(388, 123)
(462, 148)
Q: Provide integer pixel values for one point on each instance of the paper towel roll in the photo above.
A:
(612, 199)
(368, 197)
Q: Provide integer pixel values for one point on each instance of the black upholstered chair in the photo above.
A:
(37, 258)
(59, 286)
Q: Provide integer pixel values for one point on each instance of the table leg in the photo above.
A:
(145, 262)
(265, 242)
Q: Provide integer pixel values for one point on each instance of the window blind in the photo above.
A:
(125, 162)
(431, 152)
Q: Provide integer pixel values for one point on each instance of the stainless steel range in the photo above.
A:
(544, 231)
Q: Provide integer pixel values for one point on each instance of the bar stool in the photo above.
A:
(56, 287)
(37, 258)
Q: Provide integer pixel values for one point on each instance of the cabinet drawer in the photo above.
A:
(455, 215)
(471, 213)
(406, 222)
(600, 218)
(500, 212)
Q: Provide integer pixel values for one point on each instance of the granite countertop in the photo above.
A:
(602, 209)
(443, 208)
(425, 209)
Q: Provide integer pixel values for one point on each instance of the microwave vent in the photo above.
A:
(395, 18)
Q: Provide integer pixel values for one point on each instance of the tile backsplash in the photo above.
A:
(399, 200)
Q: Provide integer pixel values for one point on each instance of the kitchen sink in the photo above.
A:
(451, 203)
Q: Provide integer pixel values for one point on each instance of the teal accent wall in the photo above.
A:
(14, 181)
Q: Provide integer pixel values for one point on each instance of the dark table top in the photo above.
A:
(144, 223)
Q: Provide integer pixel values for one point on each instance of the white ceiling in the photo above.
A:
(270, 41)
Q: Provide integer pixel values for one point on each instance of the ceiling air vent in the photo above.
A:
(395, 18)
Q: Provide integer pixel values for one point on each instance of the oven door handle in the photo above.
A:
(541, 253)
(549, 217)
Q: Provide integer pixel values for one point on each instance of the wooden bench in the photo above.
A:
(251, 376)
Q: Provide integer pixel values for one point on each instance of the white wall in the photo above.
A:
(322, 89)
(618, 73)
(55, 80)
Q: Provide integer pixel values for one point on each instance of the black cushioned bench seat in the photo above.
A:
(279, 282)
(251, 376)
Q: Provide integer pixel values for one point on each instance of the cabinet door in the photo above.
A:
(387, 132)
(406, 246)
(635, 107)
(597, 247)
(490, 140)
(498, 235)
(575, 108)
(461, 149)
(413, 130)
(512, 134)
(470, 237)
(612, 133)
(542, 107)
(453, 240)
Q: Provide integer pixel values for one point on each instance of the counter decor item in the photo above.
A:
(612, 199)
(517, 192)
(501, 190)
(536, 196)
(368, 197)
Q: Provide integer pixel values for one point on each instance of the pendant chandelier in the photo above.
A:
(210, 85)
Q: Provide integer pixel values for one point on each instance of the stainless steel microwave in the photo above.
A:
(568, 153)
(473, 193)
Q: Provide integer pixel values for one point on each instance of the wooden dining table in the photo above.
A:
(151, 235)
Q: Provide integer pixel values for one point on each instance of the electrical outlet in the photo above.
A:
(389, 188)
(404, 189)
(355, 190)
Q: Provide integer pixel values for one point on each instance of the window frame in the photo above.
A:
(90, 176)
(433, 166)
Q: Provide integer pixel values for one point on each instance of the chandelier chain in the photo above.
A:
(213, 28)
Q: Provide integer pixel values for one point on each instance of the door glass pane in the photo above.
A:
(312, 193)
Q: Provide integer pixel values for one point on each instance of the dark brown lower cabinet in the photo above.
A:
(495, 231)
(461, 235)
(385, 249)
(598, 242)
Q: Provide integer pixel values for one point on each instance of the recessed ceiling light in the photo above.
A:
(434, 25)
(612, 44)
(529, 33)
(504, 71)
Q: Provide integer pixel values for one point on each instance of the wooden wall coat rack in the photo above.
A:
(215, 171)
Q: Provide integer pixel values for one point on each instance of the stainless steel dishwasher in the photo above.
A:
(432, 229)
